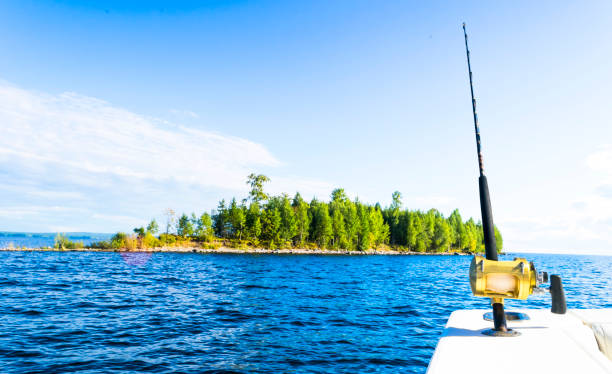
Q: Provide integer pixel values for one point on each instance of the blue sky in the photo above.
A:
(113, 111)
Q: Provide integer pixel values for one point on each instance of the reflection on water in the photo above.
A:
(136, 258)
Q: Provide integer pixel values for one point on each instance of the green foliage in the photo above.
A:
(150, 241)
(442, 235)
(472, 235)
(140, 232)
(499, 241)
(339, 239)
(253, 222)
(302, 220)
(119, 240)
(204, 228)
(62, 242)
(167, 239)
(237, 220)
(221, 221)
(281, 222)
(379, 230)
(288, 226)
(104, 244)
(256, 181)
(185, 227)
(364, 238)
(394, 217)
(271, 224)
(339, 196)
(413, 227)
(351, 224)
(321, 226)
(153, 227)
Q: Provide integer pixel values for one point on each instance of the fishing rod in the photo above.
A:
(485, 201)
(499, 280)
(499, 317)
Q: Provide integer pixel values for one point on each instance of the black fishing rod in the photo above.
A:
(485, 201)
(499, 317)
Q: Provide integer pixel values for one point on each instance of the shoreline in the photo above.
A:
(228, 250)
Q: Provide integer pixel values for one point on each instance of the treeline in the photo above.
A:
(283, 222)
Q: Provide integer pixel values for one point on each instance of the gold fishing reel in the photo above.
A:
(501, 280)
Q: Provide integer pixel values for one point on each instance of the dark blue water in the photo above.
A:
(41, 240)
(112, 312)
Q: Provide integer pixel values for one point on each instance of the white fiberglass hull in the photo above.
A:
(548, 343)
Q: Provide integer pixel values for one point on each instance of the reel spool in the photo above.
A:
(516, 279)
(501, 280)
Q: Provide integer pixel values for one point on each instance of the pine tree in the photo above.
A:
(351, 224)
(221, 221)
(253, 222)
(256, 181)
(378, 228)
(237, 219)
(499, 241)
(442, 235)
(394, 216)
(472, 235)
(153, 227)
(184, 227)
(288, 220)
(204, 230)
(338, 229)
(322, 225)
(455, 222)
(364, 236)
(339, 196)
(302, 219)
(422, 240)
(271, 224)
(413, 228)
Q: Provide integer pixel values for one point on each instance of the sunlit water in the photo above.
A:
(97, 312)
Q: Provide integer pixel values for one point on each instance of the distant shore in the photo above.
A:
(192, 249)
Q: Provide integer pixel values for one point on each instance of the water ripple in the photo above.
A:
(188, 313)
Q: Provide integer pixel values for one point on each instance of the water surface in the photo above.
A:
(46, 239)
(113, 312)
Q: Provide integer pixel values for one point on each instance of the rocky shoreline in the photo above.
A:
(227, 250)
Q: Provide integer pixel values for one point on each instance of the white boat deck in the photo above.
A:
(549, 343)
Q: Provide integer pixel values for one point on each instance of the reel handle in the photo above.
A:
(559, 306)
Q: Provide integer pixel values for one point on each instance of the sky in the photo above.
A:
(113, 111)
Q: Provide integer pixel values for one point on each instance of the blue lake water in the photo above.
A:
(40, 240)
(114, 312)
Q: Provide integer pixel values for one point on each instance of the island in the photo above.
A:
(262, 223)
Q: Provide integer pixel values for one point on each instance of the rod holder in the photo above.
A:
(500, 329)
(499, 317)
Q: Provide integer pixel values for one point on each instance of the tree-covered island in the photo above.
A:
(282, 222)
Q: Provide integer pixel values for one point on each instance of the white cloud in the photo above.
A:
(71, 161)
(127, 221)
(184, 113)
(582, 225)
(29, 211)
(573, 227)
(88, 137)
(601, 160)
(37, 192)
